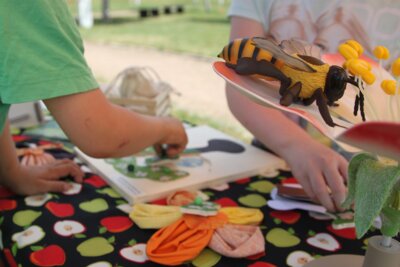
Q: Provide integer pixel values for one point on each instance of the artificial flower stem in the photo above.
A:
(386, 241)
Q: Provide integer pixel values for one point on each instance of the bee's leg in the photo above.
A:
(291, 94)
(322, 104)
(309, 101)
(249, 66)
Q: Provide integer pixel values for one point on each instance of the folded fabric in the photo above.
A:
(148, 216)
(183, 240)
(238, 241)
(247, 216)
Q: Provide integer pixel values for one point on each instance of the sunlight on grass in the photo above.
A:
(194, 32)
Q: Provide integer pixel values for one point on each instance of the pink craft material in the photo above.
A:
(237, 241)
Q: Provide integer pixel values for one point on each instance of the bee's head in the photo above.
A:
(335, 84)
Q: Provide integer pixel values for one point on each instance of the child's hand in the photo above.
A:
(30, 180)
(321, 171)
(175, 137)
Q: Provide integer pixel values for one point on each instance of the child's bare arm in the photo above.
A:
(28, 180)
(318, 168)
(102, 129)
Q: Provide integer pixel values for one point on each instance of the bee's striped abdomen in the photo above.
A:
(244, 48)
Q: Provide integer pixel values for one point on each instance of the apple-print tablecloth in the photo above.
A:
(89, 226)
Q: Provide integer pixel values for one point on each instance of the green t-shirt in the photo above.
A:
(41, 53)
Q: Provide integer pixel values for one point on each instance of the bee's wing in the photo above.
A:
(296, 46)
(279, 53)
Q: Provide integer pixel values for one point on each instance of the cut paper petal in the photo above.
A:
(238, 241)
(246, 216)
(148, 216)
(381, 138)
(177, 243)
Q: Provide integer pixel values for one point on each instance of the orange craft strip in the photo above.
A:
(183, 240)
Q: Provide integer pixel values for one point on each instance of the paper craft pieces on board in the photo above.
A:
(293, 191)
(211, 158)
(280, 203)
(238, 241)
(148, 216)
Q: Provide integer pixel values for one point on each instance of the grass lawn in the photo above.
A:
(194, 32)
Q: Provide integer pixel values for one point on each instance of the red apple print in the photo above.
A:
(7, 204)
(4, 192)
(162, 201)
(19, 138)
(60, 210)
(348, 233)
(290, 180)
(256, 256)
(261, 264)
(226, 202)
(95, 181)
(243, 181)
(289, 217)
(116, 224)
(52, 255)
(9, 258)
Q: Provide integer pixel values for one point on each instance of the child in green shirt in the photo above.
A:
(41, 58)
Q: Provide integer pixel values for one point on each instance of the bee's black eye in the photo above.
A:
(335, 83)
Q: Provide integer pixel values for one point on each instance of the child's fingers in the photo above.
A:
(305, 183)
(320, 190)
(343, 167)
(174, 150)
(66, 168)
(56, 186)
(336, 184)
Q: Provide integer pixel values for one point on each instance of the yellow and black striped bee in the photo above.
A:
(298, 67)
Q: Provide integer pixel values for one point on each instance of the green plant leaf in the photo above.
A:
(374, 185)
(352, 175)
(102, 230)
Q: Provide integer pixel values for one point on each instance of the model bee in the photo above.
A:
(296, 64)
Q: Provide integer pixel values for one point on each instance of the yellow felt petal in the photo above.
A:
(148, 216)
(239, 215)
